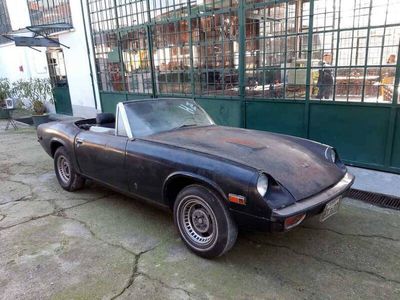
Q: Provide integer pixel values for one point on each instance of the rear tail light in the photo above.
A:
(294, 221)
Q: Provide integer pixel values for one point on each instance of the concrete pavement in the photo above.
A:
(376, 182)
(97, 244)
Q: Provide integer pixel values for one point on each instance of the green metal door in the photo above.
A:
(59, 81)
(62, 100)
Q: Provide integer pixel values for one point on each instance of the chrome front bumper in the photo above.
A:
(315, 201)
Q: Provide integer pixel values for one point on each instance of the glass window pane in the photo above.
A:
(216, 54)
(354, 13)
(108, 62)
(354, 46)
(163, 9)
(380, 84)
(276, 50)
(49, 12)
(131, 12)
(135, 55)
(391, 45)
(349, 84)
(392, 12)
(172, 57)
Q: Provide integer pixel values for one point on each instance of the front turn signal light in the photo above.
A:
(294, 221)
(238, 199)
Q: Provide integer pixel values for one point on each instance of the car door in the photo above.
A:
(101, 156)
(147, 165)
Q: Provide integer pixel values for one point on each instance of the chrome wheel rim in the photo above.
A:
(64, 169)
(197, 222)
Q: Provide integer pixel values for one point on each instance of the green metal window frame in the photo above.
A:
(42, 12)
(189, 77)
(354, 46)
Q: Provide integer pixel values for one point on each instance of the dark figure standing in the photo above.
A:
(325, 82)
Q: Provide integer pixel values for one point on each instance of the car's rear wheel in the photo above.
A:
(203, 221)
(65, 172)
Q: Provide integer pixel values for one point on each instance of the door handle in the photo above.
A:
(78, 141)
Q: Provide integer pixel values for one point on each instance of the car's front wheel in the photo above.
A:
(65, 172)
(204, 222)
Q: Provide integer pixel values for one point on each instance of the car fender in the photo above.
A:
(196, 177)
(53, 141)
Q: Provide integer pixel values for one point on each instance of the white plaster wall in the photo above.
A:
(34, 64)
(22, 63)
(18, 13)
(77, 65)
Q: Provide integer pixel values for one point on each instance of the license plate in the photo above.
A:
(330, 209)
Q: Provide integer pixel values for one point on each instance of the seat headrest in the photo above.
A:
(105, 118)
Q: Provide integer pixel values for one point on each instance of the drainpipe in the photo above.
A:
(88, 53)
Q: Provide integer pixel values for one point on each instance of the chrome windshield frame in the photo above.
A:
(121, 113)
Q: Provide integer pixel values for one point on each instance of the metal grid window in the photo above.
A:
(108, 61)
(132, 12)
(355, 43)
(216, 54)
(165, 10)
(5, 25)
(172, 58)
(276, 50)
(339, 50)
(49, 12)
(135, 56)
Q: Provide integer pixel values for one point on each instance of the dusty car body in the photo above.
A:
(243, 177)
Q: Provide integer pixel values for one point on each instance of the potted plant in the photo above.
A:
(5, 92)
(35, 93)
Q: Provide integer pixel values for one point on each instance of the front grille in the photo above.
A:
(375, 198)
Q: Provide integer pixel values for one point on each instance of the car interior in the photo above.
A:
(103, 123)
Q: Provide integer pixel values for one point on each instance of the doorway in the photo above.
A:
(59, 81)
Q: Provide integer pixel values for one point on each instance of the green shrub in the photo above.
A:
(34, 93)
(5, 90)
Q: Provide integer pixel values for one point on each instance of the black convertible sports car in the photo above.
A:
(214, 178)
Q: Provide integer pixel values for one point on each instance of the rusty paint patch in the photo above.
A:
(244, 142)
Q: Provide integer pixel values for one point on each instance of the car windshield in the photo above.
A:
(154, 116)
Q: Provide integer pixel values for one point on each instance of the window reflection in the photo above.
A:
(49, 11)
(216, 54)
(135, 56)
(132, 12)
(108, 64)
(354, 63)
(196, 48)
(172, 57)
(276, 51)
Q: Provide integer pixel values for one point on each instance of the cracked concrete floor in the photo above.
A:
(98, 244)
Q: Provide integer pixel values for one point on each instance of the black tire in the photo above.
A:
(203, 221)
(65, 172)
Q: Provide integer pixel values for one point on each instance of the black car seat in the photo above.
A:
(105, 120)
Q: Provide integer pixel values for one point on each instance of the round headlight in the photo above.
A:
(262, 184)
(330, 154)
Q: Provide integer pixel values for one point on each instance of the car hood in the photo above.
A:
(297, 164)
